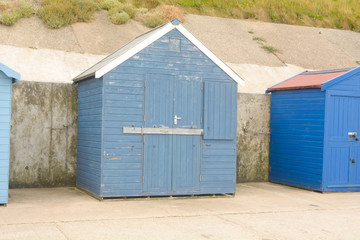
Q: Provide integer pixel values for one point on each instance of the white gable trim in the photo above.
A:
(212, 56)
(116, 62)
(164, 30)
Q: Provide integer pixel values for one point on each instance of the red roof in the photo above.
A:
(307, 80)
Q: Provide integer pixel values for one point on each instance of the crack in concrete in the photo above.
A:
(184, 216)
(61, 231)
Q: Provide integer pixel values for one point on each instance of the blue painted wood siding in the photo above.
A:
(5, 119)
(297, 137)
(89, 140)
(124, 106)
(123, 153)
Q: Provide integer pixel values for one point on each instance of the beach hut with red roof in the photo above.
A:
(315, 127)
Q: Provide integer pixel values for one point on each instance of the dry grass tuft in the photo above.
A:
(160, 15)
(149, 4)
(58, 13)
(121, 13)
(171, 12)
(119, 17)
(11, 12)
(151, 19)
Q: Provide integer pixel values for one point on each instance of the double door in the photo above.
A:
(173, 119)
(343, 152)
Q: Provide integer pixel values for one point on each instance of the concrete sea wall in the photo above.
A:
(44, 127)
(43, 135)
(253, 137)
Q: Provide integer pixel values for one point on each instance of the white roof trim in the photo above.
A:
(158, 34)
(212, 56)
(107, 68)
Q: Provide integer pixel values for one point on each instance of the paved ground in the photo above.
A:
(258, 211)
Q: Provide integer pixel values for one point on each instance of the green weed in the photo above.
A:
(270, 49)
(259, 39)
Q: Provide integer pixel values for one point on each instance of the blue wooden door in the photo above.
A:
(158, 148)
(172, 162)
(354, 166)
(186, 154)
(342, 166)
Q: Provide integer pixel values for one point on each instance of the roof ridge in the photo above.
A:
(327, 71)
(144, 40)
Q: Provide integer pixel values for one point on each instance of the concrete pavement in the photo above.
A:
(258, 211)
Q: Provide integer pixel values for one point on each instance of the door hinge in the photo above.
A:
(200, 119)
(143, 180)
(200, 177)
(200, 139)
(202, 86)
(144, 118)
(144, 83)
(143, 139)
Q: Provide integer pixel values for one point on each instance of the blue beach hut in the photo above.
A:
(315, 127)
(7, 78)
(157, 118)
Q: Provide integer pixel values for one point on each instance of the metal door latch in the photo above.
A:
(175, 119)
(353, 136)
(352, 160)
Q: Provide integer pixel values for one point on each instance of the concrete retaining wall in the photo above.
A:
(253, 137)
(43, 135)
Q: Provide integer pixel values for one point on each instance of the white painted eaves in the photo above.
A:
(141, 42)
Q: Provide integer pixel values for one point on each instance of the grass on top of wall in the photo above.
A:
(11, 12)
(342, 14)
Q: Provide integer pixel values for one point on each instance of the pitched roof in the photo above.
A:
(144, 40)
(9, 72)
(308, 79)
